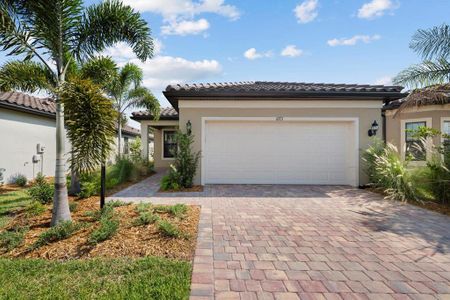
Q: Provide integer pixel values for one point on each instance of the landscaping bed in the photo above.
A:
(132, 238)
(193, 189)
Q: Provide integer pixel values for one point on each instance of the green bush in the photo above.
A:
(177, 210)
(168, 229)
(182, 172)
(145, 218)
(439, 178)
(122, 170)
(73, 206)
(107, 229)
(35, 208)
(19, 179)
(389, 173)
(13, 238)
(61, 231)
(117, 203)
(41, 190)
(88, 189)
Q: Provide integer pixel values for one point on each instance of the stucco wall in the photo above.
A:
(393, 124)
(366, 116)
(19, 134)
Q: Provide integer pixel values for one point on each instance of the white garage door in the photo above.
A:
(279, 152)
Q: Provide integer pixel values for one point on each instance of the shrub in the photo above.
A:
(88, 189)
(61, 231)
(141, 207)
(182, 172)
(145, 218)
(73, 206)
(177, 210)
(122, 170)
(116, 203)
(168, 229)
(35, 208)
(13, 238)
(389, 173)
(439, 178)
(135, 150)
(19, 179)
(41, 190)
(108, 228)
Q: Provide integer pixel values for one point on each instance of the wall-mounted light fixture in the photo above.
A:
(373, 130)
(189, 127)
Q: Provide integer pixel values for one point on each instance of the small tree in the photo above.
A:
(135, 149)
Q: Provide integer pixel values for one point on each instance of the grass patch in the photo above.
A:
(145, 218)
(35, 208)
(178, 210)
(117, 203)
(59, 232)
(11, 202)
(147, 278)
(168, 229)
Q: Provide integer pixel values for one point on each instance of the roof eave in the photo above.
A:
(29, 110)
(174, 96)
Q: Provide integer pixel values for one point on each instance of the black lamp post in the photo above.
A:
(373, 130)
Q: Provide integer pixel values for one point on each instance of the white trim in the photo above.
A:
(162, 144)
(428, 123)
(280, 104)
(160, 123)
(355, 122)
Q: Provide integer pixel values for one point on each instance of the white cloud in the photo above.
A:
(291, 51)
(178, 15)
(122, 52)
(252, 54)
(353, 40)
(385, 80)
(306, 11)
(375, 8)
(185, 27)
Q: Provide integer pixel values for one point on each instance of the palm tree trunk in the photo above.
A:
(60, 211)
(119, 136)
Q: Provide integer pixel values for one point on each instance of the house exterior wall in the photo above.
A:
(365, 111)
(394, 124)
(19, 135)
(153, 150)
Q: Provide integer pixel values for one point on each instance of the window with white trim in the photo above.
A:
(414, 147)
(446, 133)
(169, 143)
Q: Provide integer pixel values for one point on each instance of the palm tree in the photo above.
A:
(126, 91)
(433, 45)
(48, 36)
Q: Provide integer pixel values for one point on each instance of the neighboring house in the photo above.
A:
(26, 122)
(271, 132)
(426, 112)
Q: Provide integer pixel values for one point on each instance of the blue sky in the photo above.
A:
(338, 41)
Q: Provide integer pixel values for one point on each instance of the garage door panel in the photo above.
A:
(256, 152)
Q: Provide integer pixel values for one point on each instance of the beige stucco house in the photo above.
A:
(271, 132)
(424, 112)
(26, 122)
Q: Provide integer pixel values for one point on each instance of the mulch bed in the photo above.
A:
(6, 188)
(193, 189)
(129, 241)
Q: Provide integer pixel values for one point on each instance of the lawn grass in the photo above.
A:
(145, 278)
(11, 201)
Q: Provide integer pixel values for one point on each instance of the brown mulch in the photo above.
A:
(129, 241)
(6, 188)
(193, 189)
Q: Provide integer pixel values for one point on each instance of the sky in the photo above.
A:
(332, 41)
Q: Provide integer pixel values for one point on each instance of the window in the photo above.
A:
(169, 143)
(125, 145)
(414, 147)
(446, 131)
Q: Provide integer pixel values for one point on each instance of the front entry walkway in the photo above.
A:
(311, 242)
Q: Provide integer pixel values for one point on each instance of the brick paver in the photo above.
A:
(311, 242)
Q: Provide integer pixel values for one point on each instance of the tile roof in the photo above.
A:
(279, 90)
(166, 113)
(282, 86)
(28, 102)
(431, 95)
(41, 106)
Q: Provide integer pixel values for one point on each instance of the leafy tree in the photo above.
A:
(49, 36)
(126, 90)
(433, 45)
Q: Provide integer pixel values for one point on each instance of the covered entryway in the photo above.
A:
(280, 151)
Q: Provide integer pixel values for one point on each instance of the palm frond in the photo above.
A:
(110, 22)
(432, 43)
(438, 94)
(27, 76)
(130, 74)
(424, 74)
(101, 70)
(142, 97)
(90, 123)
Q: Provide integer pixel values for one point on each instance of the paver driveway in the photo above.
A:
(312, 242)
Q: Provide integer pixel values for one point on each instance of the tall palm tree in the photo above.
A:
(433, 45)
(59, 31)
(126, 91)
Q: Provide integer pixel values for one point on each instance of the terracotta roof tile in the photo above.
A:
(166, 113)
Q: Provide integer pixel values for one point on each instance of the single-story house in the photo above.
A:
(272, 132)
(428, 108)
(27, 135)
